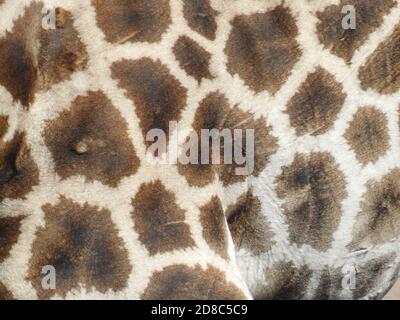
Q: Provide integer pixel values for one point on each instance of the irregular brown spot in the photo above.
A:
(192, 58)
(344, 42)
(3, 126)
(313, 188)
(93, 125)
(159, 221)
(18, 62)
(381, 72)
(158, 96)
(201, 17)
(214, 112)
(61, 51)
(213, 221)
(9, 233)
(379, 218)
(83, 245)
(249, 228)
(284, 282)
(314, 108)
(368, 135)
(372, 275)
(180, 282)
(133, 20)
(18, 171)
(330, 285)
(4, 293)
(262, 49)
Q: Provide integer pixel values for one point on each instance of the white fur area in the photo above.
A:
(243, 269)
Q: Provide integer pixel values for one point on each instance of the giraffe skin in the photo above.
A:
(76, 189)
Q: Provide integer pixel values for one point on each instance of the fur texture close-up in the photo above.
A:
(83, 82)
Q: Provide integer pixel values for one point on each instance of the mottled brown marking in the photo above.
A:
(192, 58)
(313, 188)
(330, 284)
(249, 228)
(159, 221)
(133, 20)
(83, 245)
(368, 135)
(180, 282)
(342, 42)
(93, 122)
(283, 282)
(314, 108)
(372, 275)
(4, 293)
(213, 221)
(379, 219)
(61, 51)
(262, 49)
(158, 96)
(18, 172)
(214, 112)
(9, 233)
(201, 17)
(381, 72)
(3, 126)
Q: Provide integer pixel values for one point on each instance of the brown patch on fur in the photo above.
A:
(133, 20)
(342, 42)
(368, 135)
(214, 112)
(3, 126)
(330, 285)
(94, 126)
(158, 96)
(159, 221)
(9, 233)
(28, 66)
(83, 245)
(284, 282)
(262, 49)
(180, 282)
(379, 219)
(372, 274)
(213, 221)
(201, 17)
(314, 108)
(381, 72)
(313, 188)
(249, 228)
(192, 58)
(61, 52)
(4, 293)
(18, 171)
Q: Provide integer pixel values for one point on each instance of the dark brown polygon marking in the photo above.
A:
(3, 126)
(313, 188)
(180, 282)
(133, 20)
(9, 233)
(381, 71)
(159, 221)
(18, 172)
(314, 108)
(379, 219)
(158, 96)
(4, 293)
(201, 17)
(83, 245)
(215, 112)
(368, 135)
(262, 49)
(91, 139)
(215, 231)
(342, 42)
(249, 228)
(192, 58)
